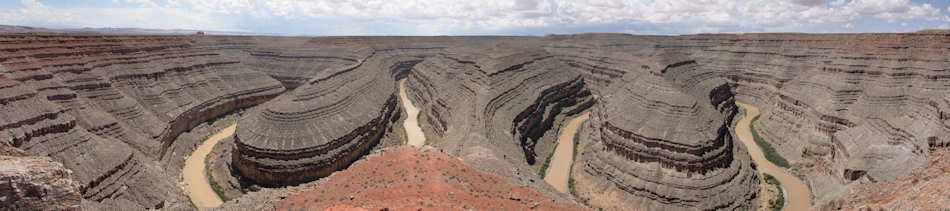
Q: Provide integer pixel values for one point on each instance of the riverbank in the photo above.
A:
(559, 169)
(414, 134)
(798, 196)
(195, 175)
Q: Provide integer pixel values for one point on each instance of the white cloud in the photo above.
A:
(143, 3)
(848, 26)
(35, 13)
(807, 2)
(893, 10)
(447, 16)
(499, 14)
(836, 3)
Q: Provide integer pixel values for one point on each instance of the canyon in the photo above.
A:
(122, 113)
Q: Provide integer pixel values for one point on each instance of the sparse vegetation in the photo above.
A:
(214, 184)
(570, 179)
(547, 162)
(770, 153)
(777, 203)
(577, 140)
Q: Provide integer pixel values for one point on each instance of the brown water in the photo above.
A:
(196, 179)
(796, 193)
(413, 132)
(559, 170)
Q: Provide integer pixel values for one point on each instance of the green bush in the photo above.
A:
(777, 203)
(214, 184)
(770, 153)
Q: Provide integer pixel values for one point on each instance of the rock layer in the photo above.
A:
(36, 183)
(325, 124)
(110, 107)
(662, 141)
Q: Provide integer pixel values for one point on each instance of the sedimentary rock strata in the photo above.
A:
(839, 104)
(35, 183)
(843, 108)
(662, 141)
(504, 98)
(326, 123)
(110, 107)
(921, 188)
(836, 104)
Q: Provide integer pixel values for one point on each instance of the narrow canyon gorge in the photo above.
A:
(559, 122)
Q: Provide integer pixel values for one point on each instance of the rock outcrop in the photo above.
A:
(36, 183)
(498, 106)
(110, 107)
(662, 141)
(923, 188)
(840, 104)
(330, 121)
(843, 108)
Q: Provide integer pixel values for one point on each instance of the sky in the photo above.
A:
(484, 17)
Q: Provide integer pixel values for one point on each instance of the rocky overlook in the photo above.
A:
(846, 110)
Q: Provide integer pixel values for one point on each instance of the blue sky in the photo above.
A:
(479, 17)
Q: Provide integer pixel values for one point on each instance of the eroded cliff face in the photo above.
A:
(840, 106)
(327, 123)
(661, 140)
(844, 108)
(35, 183)
(110, 107)
(498, 105)
(530, 125)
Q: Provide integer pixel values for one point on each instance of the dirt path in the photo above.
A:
(196, 179)
(559, 170)
(797, 195)
(413, 131)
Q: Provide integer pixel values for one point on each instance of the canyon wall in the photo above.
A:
(498, 106)
(838, 104)
(661, 140)
(844, 109)
(329, 121)
(110, 107)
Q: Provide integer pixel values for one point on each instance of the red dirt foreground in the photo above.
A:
(406, 178)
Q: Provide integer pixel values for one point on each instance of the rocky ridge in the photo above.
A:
(658, 137)
(28, 183)
(110, 107)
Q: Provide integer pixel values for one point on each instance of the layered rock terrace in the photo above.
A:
(843, 108)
